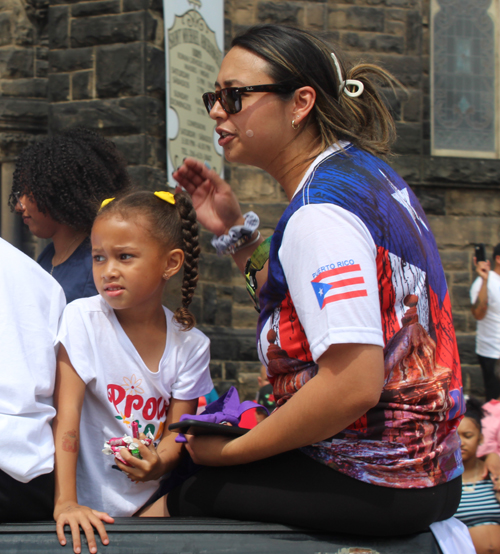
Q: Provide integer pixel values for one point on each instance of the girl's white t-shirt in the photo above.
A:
(31, 303)
(120, 389)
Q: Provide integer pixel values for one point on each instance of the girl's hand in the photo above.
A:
(150, 468)
(76, 516)
(216, 205)
(210, 450)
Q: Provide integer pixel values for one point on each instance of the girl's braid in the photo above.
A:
(192, 250)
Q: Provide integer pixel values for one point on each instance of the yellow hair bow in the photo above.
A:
(166, 196)
(106, 202)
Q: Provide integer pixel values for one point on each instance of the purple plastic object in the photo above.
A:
(226, 409)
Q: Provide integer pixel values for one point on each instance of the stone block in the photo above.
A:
(155, 71)
(316, 16)
(459, 322)
(82, 85)
(456, 232)
(119, 70)
(278, 12)
(58, 27)
(153, 29)
(473, 380)
(269, 214)
(356, 17)
(402, 3)
(414, 32)
(463, 277)
(245, 318)
(408, 167)
(16, 63)
(133, 147)
(6, 36)
(59, 87)
(241, 296)
(231, 370)
(216, 370)
(106, 29)
(27, 88)
(135, 5)
(467, 348)
(248, 385)
(231, 344)
(41, 69)
(480, 202)
(409, 138)
(11, 144)
(86, 9)
(115, 116)
(460, 296)
(209, 304)
(216, 269)
(72, 59)
(363, 42)
(412, 106)
(408, 69)
(156, 153)
(148, 178)
(432, 201)
(455, 260)
(20, 114)
(223, 313)
(462, 171)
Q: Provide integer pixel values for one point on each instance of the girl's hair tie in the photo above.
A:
(343, 84)
(165, 196)
(106, 202)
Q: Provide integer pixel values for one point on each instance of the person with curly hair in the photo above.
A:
(59, 183)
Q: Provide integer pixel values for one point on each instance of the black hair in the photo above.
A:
(474, 410)
(68, 176)
(298, 58)
(173, 226)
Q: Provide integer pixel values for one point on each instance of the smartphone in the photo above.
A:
(194, 427)
(480, 252)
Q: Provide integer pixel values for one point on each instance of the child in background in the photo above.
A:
(124, 357)
(479, 508)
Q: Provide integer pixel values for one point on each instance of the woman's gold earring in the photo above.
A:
(295, 126)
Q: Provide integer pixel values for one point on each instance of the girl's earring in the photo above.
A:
(166, 276)
(295, 126)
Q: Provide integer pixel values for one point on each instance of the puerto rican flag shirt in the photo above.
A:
(353, 260)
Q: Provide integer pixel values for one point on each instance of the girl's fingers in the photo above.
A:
(60, 532)
(75, 536)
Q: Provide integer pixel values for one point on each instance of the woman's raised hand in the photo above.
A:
(216, 205)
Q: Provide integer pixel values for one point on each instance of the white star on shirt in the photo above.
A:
(403, 198)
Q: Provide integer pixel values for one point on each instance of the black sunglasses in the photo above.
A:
(230, 98)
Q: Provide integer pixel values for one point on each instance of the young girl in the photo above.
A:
(479, 508)
(124, 357)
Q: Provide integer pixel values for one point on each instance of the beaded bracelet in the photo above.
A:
(238, 236)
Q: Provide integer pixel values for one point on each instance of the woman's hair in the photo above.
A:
(173, 226)
(299, 58)
(68, 176)
(474, 410)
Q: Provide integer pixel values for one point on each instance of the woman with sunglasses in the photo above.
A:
(355, 324)
(57, 188)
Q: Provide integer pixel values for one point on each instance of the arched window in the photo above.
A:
(463, 93)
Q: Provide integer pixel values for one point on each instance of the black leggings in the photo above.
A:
(294, 489)
(490, 379)
(33, 501)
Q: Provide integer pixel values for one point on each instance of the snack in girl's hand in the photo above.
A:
(115, 444)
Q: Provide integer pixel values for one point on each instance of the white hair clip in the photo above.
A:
(343, 84)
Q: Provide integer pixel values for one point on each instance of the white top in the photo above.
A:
(488, 328)
(31, 303)
(121, 389)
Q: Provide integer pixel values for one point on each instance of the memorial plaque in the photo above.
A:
(193, 63)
